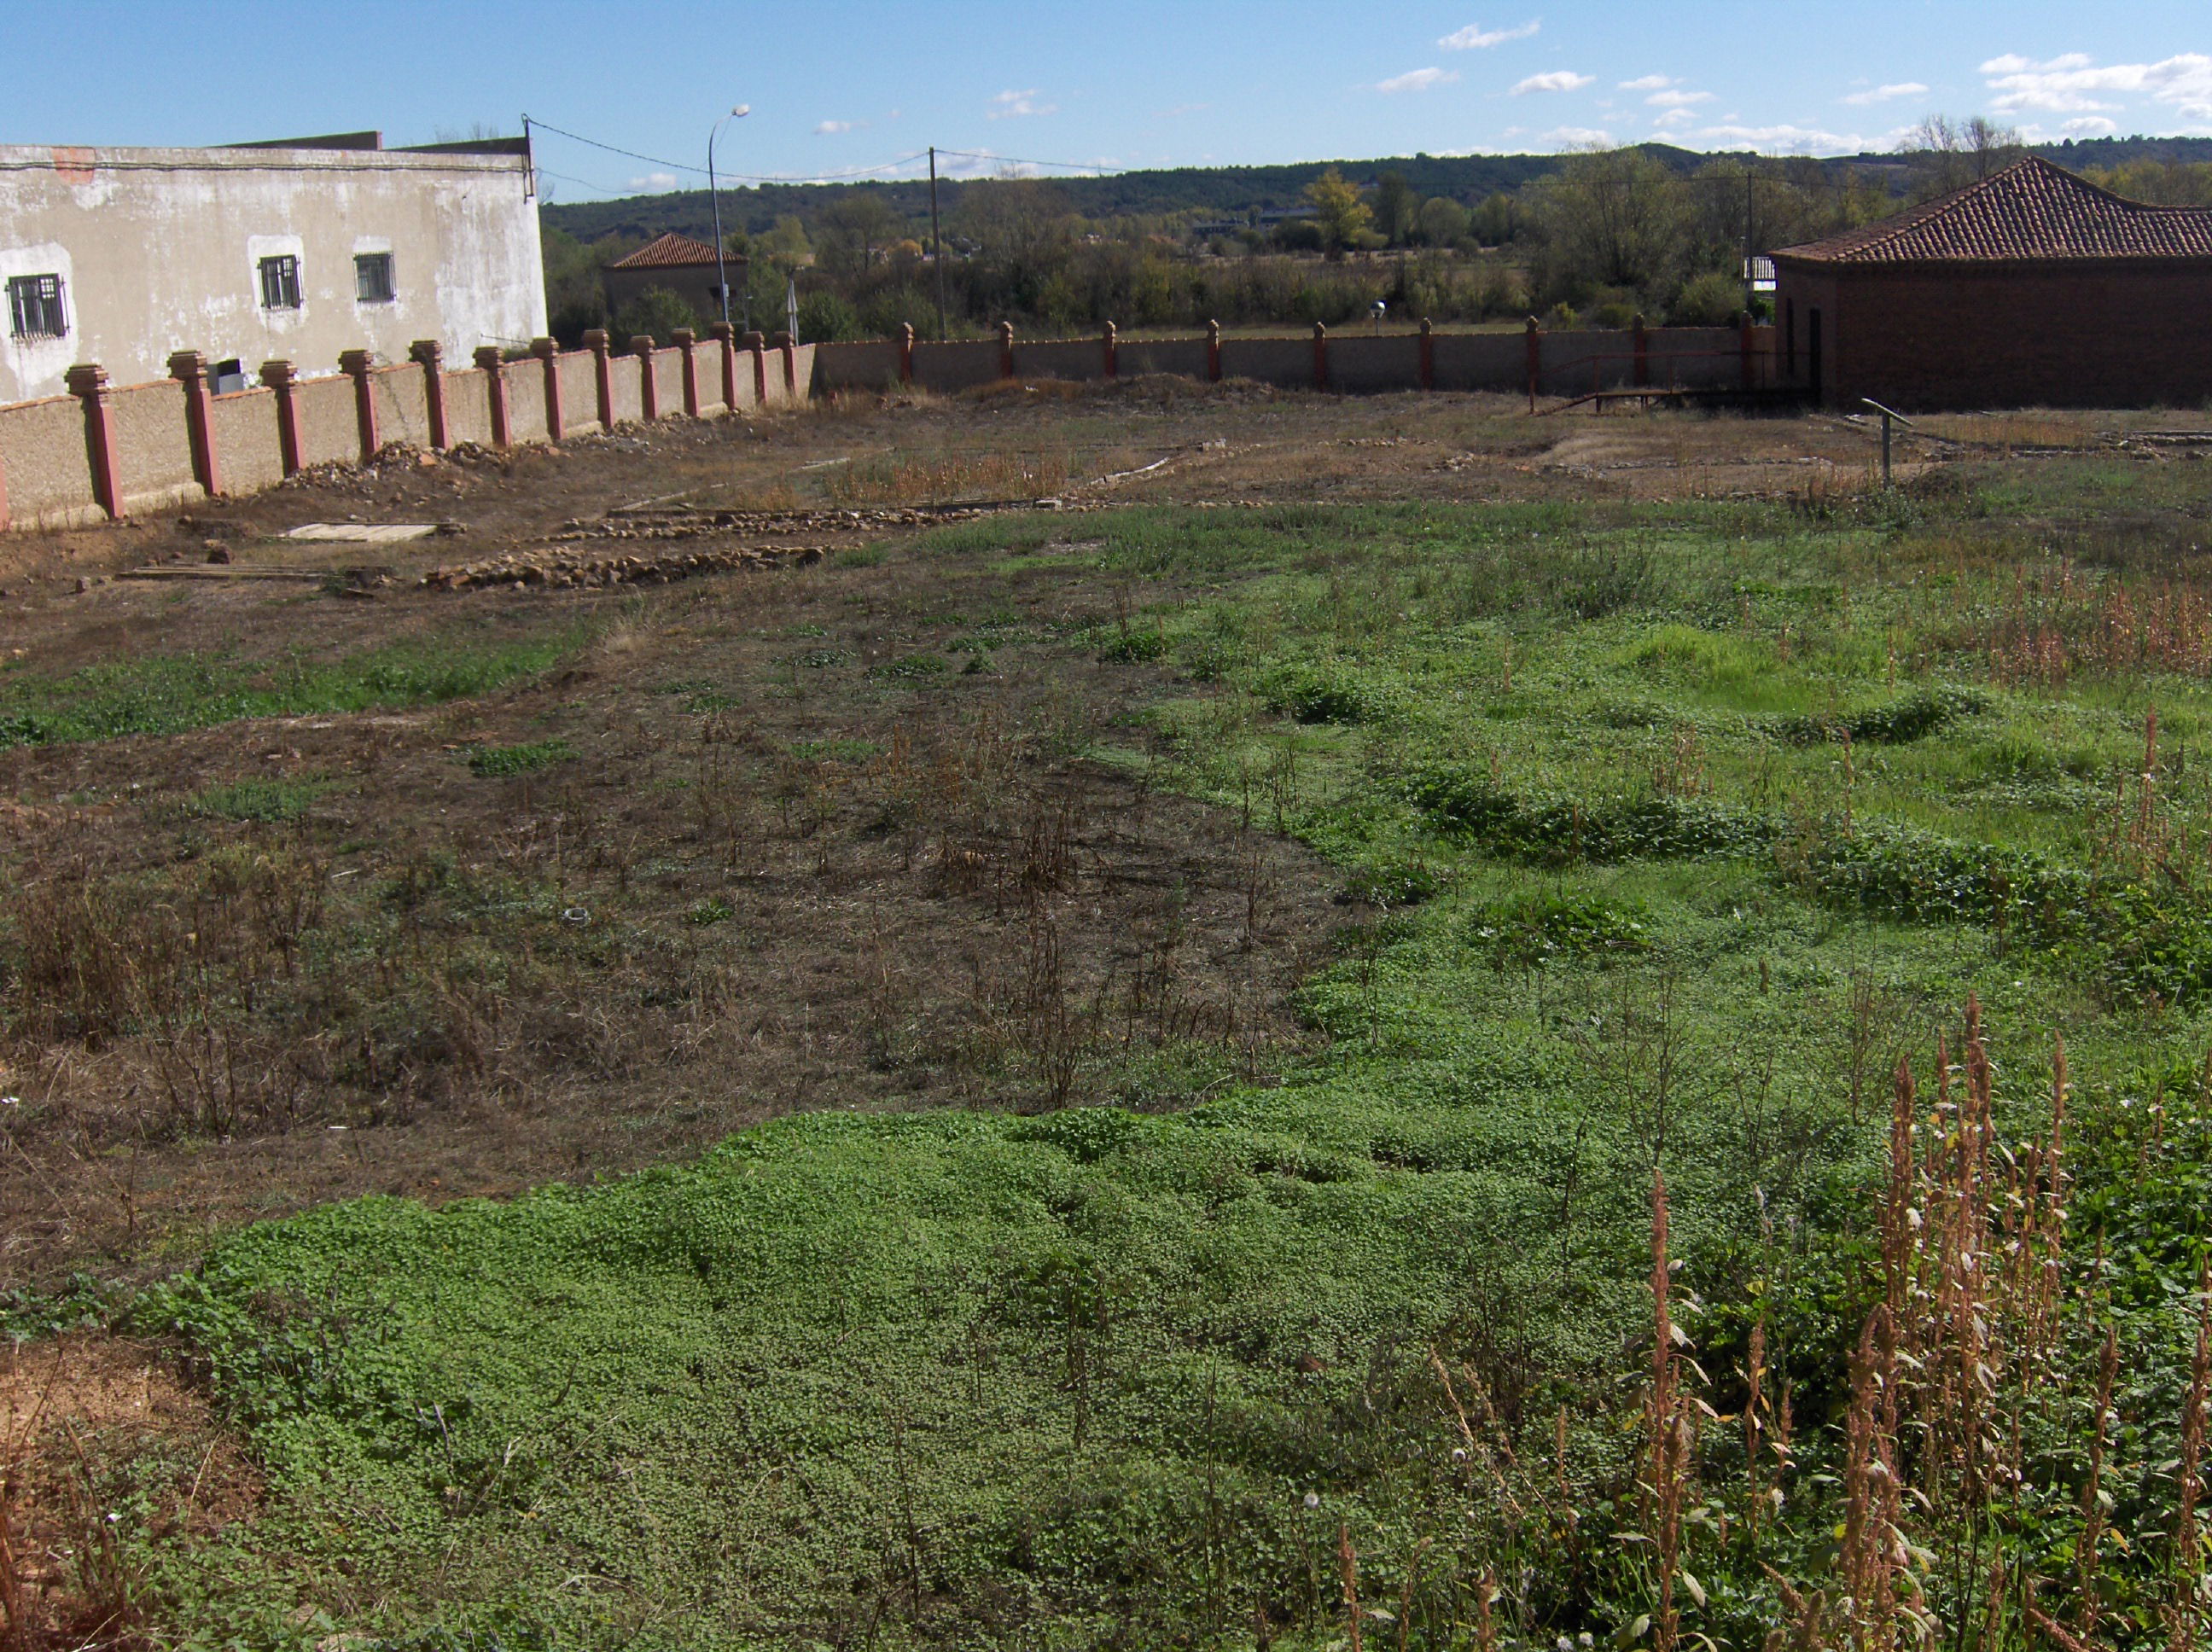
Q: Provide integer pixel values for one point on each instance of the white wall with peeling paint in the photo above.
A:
(160, 251)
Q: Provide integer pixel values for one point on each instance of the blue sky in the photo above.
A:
(835, 85)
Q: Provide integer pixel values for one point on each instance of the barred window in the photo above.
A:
(280, 284)
(372, 278)
(35, 308)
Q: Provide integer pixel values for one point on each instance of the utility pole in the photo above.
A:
(721, 273)
(936, 244)
(1750, 274)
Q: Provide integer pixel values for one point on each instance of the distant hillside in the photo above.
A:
(1216, 191)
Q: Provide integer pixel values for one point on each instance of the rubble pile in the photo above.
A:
(688, 521)
(552, 569)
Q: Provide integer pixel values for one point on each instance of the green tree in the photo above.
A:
(1441, 223)
(1338, 213)
(655, 312)
(1396, 205)
(1609, 219)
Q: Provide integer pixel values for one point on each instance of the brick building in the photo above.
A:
(678, 265)
(2032, 286)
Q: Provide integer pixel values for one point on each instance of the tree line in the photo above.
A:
(1602, 236)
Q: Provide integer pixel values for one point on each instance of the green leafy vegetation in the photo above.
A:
(493, 761)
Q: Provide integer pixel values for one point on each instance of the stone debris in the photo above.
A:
(688, 522)
(554, 569)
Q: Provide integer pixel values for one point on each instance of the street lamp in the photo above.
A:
(721, 273)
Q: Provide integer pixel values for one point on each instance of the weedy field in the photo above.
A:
(1501, 1033)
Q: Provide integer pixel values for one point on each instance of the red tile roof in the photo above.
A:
(671, 252)
(2030, 210)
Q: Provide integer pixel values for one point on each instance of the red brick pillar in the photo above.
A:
(277, 375)
(88, 384)
(188, 369)
(906, 352)
(355, 365)
(1746, 374)
(1111, 345)
(1214, 352)
(1642, 345)
(726, 341)
(788, 347)
(648, 383)
(431, 355)
(603, 374)
(1006, 350)
(1321, 357)
(687, 342)
(494, 373)
(756, 343)
(549, 356)
(1535, 359)
(1428, 353)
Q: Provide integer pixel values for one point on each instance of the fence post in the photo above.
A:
(355, 365)
(549, 356)
(687, 342)
(1535, 359)
(789, 347)
(431, 355)
(1214, 352)
(494, 373)
(906, 352)
(1743, 350)
(1006, 350)
(725, 338)
(756, 343)
(1642, 349)
(279, 377)
(648, 383)
(88, 382)
(603, 375)
(1321, 357)
(188, 369)
(1428, 353)
(1111, 344)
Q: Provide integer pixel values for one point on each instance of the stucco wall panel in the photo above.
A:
(1183, 356)
(1359, 364)
(525, 401)
(960, 365)
(580, 392)
(871, 364)
(330, 430)
(403, 405)
(627, 392)
(1287, 362)
(1077, 359)
(153, 453)
(468, 407)
(42, 445)
(245, 425)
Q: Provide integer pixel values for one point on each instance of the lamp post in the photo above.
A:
(721, 272)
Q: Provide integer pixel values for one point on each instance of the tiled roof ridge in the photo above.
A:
(670, 249)
(2021, 212)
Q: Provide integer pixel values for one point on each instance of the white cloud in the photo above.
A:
(1674, 118)
(1884, 94)
(1785, 139)
(1578, 137)
(1557, 79)
(1009, 106)
(1475, 38)
(1677, 99)
(831, 128)
(1417, 80)
(2089, 127)
(652, 183)
(1647, 83)
(2074, 81)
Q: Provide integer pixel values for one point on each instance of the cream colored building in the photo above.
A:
(294, 251)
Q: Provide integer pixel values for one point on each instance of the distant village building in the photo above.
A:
(678, 265)
(293, 250)
(2032, 286)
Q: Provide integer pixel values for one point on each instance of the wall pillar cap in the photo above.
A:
(426, 350)
(85, 379)
(684, 338)
(596, 340)
(544, 349)
(357, 362)
(488, 357)
(640, 343)
(721, 329)
(1320, 330)
(187, 365)
(277, 374)
(782, 340)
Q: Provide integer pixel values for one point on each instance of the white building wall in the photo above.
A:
(160, 250)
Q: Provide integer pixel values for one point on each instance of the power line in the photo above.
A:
(1017, 161)
(633, 155)
(742, 177)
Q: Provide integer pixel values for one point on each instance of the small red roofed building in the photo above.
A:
(679, 264)
(2029, 288)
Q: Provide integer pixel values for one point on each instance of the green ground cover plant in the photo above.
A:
(1751, 1180)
